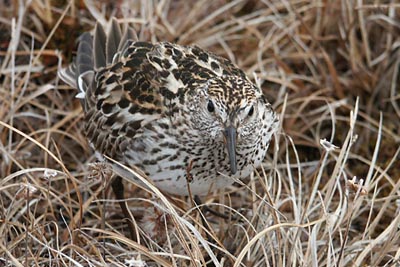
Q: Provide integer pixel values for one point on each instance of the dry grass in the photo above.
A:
(331, 68)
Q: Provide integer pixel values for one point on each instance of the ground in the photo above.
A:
(327, 195)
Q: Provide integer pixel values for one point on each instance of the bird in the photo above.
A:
(191, 120)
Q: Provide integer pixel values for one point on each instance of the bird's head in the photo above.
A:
(232, 110)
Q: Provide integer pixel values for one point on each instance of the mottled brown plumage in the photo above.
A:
(185, 116)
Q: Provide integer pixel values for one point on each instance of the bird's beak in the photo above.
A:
(230, 137)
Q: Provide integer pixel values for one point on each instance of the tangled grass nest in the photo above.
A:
(327, 195)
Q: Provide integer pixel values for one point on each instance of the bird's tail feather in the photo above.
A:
(95, 52)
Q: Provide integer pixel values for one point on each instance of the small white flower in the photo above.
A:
(49, 173)
(135, 263)
(25, 189)
(328, 146)
(31, 188)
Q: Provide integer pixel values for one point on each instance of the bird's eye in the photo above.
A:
(251, 111)
(210, 106)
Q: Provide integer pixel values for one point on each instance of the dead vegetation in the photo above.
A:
(328, 194)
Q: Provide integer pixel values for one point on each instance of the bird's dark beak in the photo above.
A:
(230, 136)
